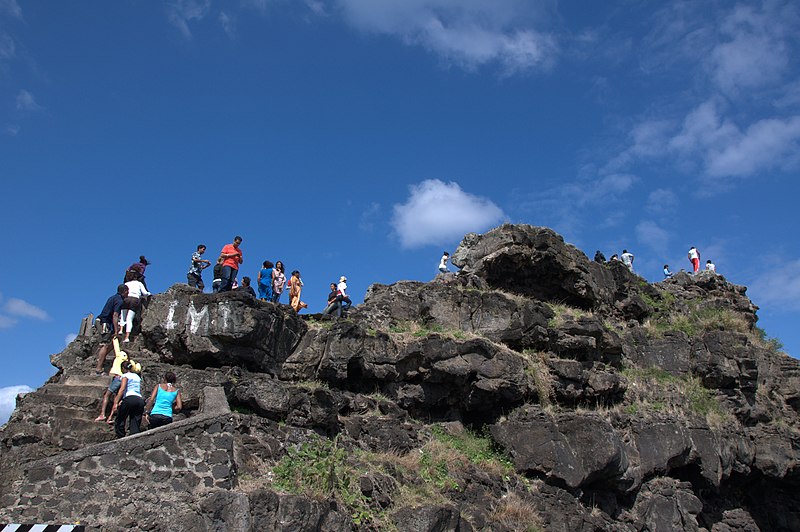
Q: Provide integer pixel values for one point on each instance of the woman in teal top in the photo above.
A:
(160, 404)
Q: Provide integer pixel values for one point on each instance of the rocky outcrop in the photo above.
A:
(535, 389)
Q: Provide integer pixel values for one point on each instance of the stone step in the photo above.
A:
(87, 380)
(66, 397)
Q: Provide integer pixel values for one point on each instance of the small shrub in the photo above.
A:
(319, 468)
(514, 513)
(478, 449)
(563, 312)
(542, 378)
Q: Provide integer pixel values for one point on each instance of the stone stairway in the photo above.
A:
(62, 415)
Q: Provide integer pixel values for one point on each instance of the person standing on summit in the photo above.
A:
(627, 259)
(694, 258)
(232, 258)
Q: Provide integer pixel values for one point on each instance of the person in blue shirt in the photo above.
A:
(667, 273)
(165, 397)
(108, 325)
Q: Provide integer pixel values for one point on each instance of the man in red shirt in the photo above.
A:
(232, 256)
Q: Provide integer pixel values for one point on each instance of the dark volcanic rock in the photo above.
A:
(534, 389)
(536, 262)
(212, 330)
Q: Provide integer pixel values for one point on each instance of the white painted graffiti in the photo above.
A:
(199, 321)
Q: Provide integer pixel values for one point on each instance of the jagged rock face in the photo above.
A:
(618, 405)
(517, 322)
(231, 328)
(536, 262)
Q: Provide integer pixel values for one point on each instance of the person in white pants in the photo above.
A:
(131, 305)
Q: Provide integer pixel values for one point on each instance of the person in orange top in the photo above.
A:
(232, 256)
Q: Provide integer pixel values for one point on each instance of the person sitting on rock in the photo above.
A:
(443, 262)
(109, 324)
(710, 266)
(129, 402)
(246, 288)
(599, 257)
(614, 258)
(333, 303)
(165, 396)
(667, 273)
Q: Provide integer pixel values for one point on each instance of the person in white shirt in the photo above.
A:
(710, 266)
(627, 259)
(342, 297)
(694, 258)
(443, 262)
(131, 305)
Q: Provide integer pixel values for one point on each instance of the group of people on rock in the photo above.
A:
(271, 280)
(627, 259)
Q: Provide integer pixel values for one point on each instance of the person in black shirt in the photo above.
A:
(333, 302)
(246, 288)
(217, 283)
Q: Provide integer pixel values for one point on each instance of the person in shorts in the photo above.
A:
(108, 324)
(116, 381)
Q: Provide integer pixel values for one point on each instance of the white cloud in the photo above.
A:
(367, 220)
(6, 322)
(7, 46)
(779, 286)
(11, 7)
(26, 102)
(68, 339)
(767, 144)
(751, 51)
(182, 12)
(653, 236)
(661, 201)
(23, 309)
(468, 33)
(12, 130)
(438, 213)
(228, 24)
(8, 400)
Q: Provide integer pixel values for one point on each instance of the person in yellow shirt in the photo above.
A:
(116, 380)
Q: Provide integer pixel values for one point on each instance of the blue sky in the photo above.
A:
(363, 137)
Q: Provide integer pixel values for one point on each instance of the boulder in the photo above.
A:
(185, 326)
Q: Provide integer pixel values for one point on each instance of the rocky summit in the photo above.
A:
(533, 390)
